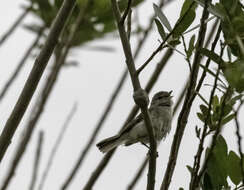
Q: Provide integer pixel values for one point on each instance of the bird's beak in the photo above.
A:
(170, 93)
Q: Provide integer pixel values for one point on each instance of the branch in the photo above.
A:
(56, 145)
(37, 160)
(138, 175)
(140, 96)
(21, 64)
(15, 25)
(214, 139)
(161, 46)
(182, 120)
(44, 95)
(196, 166)
(239, 139)
(34, 77)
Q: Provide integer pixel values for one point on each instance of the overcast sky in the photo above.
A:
(91, 85)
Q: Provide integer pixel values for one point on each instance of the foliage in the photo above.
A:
(98, 21)
(222, 164)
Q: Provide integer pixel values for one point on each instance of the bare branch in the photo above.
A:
(182, 120)
(162, 45)
(21, 64)
(140, 96)
(239, 139)
(34, 77)
(56, 145)
(196, 165)
(15, 25)
(37, 160)
(216, 134)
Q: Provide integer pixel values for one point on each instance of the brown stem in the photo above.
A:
(196, 166)
(34, 77)
(182, 120)
(140, 96)
(214, 139)
(37, 160)
(20, 65)
(15, 25)
(56, 145)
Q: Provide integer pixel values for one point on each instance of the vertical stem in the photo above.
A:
(34, 77)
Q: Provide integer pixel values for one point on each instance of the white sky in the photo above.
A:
(91, 84)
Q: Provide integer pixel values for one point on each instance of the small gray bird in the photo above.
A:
(135, 131)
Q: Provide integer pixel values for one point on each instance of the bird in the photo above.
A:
(160, 112)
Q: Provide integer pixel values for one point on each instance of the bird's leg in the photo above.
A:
(148, 149)
(145, 145)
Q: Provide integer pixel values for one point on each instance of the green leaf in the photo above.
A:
(160, 29)
(188, 19)
(234, 170)
(229, 53)
(213, 56)
(204, 109)
(233, 100)
(215, 102)
(201, 117)
(233, 73)
(191, 46)
(162, 17)
(217, 165)
(227, 119)
(210, 72)
(212, 9)
(190, 169)
(207, 185)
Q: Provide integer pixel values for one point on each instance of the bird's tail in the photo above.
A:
(109, 143)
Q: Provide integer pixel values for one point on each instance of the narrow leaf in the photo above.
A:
(162, 17)
(160, 29)
(213, 56)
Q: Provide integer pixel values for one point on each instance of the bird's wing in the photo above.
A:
(132, 123)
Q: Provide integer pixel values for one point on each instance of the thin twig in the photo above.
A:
(182, 120)
(140, 96)
(15, 25)
(21, 64)
(37, 160)
(56, 145)
(161, 46)
(239, 139)
(126, 12)
(138, 175)
(38, 109)
(34, 77)
(216, 134)
(197, 160)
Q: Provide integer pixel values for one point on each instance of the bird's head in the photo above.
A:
(162, 98)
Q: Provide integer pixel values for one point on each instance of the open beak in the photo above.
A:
(170, 93)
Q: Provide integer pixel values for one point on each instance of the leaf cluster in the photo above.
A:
(98, 20)
(222, 164)
(213, 118)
